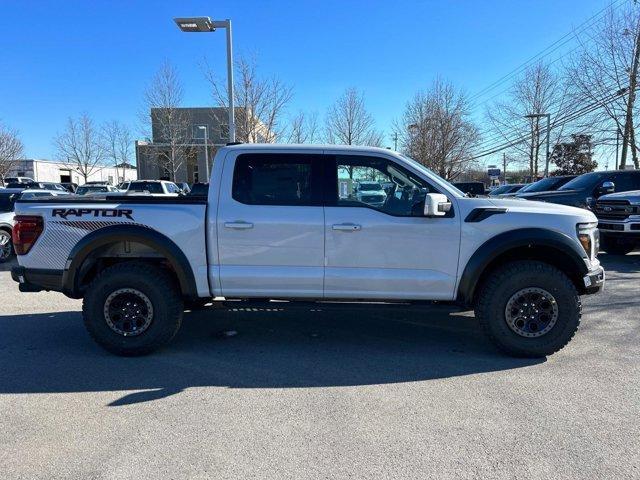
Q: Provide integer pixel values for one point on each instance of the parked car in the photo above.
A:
(98, 182)
(93, 189)
(370, 193)
(279, 228)
(505, 189)
(9, 180)
(474, 189)
(7, 201)
(619, 221)
(583, 191)
(38, 193)
(548, 184)
(155, 187)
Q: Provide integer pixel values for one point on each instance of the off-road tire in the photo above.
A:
(614, 246)
(161, 290)
(505, 281)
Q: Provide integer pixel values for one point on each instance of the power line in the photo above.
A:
(566, 38)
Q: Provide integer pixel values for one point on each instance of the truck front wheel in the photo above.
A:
(528, 308)
(132, 308)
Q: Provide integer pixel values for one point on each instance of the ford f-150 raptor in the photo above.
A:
(277, 224)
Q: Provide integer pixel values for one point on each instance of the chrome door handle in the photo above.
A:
(347, 227)
(239, 225)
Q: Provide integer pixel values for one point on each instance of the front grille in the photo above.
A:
(615, 209)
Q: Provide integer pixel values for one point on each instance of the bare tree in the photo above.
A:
(349, 123)
(80, 146)
(117, 143)
(603, 77)
(436, 130)
(539, 90)
(11, 150)
(260, 101)
(168, 122)
(303, 128)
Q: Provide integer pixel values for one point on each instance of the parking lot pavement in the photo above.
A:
(375, 392)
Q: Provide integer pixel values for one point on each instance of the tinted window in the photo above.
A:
(277, 179)
(389, 187)
(151, 187)
(501, 190)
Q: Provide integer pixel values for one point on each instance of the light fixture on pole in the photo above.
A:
(205, 24)
(206, 150)
(548, 115)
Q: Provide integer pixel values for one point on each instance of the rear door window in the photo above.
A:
(278, 179)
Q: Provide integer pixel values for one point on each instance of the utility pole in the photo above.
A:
(633, 74)
(617, 144)
(395, 141)
(504, 166)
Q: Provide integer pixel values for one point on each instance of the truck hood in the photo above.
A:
(531, 206)
(633, 196)
(551, 194)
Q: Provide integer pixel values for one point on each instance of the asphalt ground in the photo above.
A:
(324, 392)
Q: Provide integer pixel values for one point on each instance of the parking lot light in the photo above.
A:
(205, 24)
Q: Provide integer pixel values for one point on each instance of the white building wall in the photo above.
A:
(46, 171)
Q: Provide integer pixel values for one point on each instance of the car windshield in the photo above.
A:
(501, 190)
(543, 185)
(368, 187)
(151, 187)
(588, 180)
(6, 202)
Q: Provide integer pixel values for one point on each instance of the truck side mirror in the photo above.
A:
(436, 205)
(607, 187)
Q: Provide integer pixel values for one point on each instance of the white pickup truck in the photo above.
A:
(276, 226)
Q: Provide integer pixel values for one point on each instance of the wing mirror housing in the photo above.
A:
(607, 187)
(436, 205)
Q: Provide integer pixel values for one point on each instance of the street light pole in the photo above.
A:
(206, 150)
(205, 24)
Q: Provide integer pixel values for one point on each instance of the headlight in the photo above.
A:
(589, 238)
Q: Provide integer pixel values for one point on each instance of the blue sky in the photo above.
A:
(61, 58)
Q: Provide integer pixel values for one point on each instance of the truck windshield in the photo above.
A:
(418, 166)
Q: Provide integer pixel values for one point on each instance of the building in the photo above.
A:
(177, 149)
(60, 172)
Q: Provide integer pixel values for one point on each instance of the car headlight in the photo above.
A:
(589, 237)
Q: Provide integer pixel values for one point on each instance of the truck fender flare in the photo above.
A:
(524, 237)
(130, 233)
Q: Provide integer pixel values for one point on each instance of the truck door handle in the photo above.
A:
(347, 227)
(239, 225)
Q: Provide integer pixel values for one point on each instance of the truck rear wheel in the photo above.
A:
(528, 308)
(132, 309)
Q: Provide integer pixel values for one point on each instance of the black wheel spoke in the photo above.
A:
(531, 312)
(128, 312)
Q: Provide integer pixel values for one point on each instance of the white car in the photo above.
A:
(154, 188)
(275, 226)
(371, 193)
(95, 189)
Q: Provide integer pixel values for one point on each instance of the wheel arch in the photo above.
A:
(540, 244)
(93, 243)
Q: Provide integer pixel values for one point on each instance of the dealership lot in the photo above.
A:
(320, 392)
